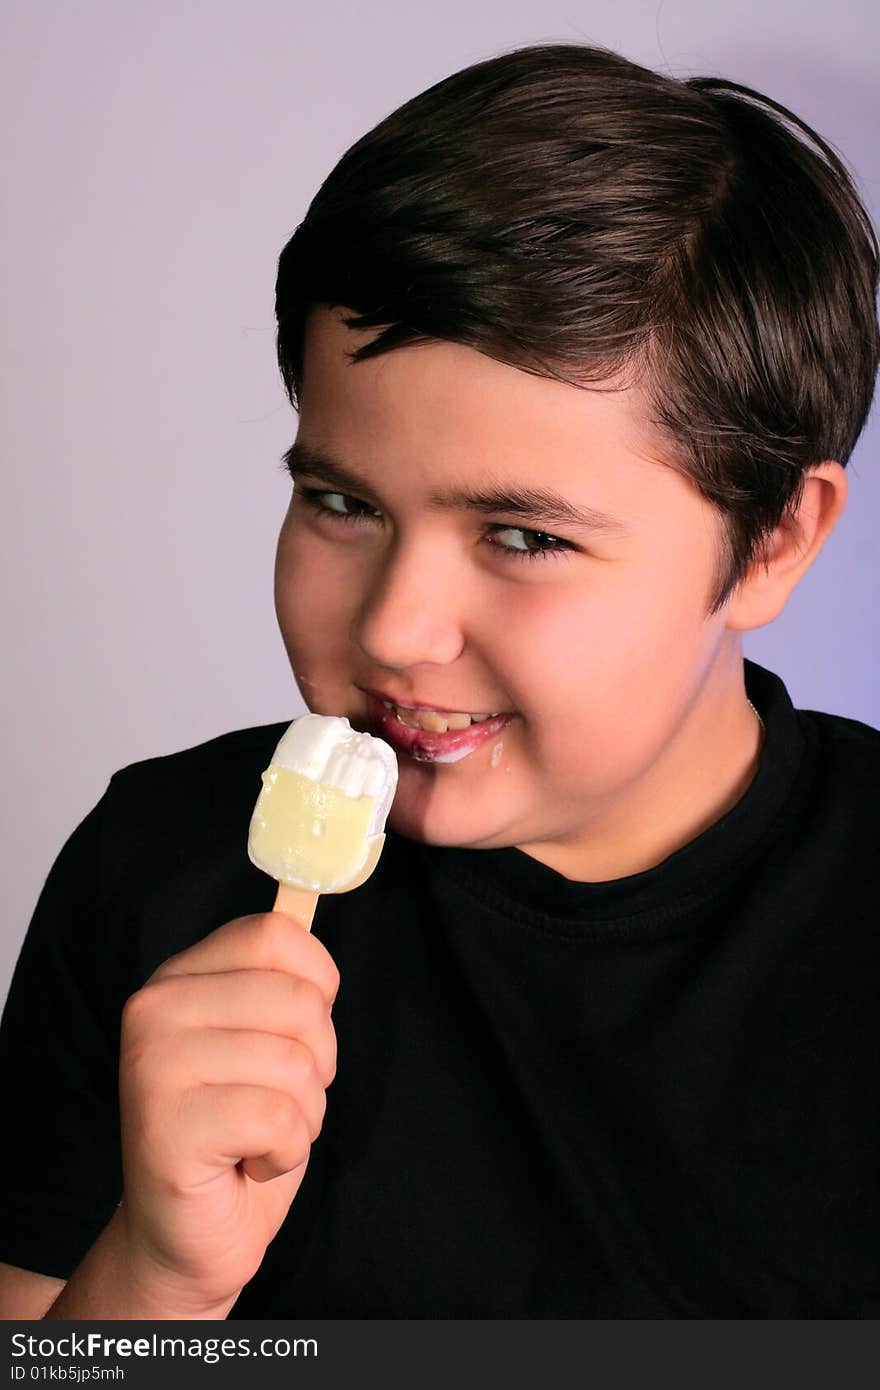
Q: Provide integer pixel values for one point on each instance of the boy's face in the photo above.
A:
(620, 698)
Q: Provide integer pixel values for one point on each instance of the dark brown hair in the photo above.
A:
(582, 218)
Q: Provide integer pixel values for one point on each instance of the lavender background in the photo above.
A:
(156, 158)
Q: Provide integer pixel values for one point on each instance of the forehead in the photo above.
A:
(440, 410)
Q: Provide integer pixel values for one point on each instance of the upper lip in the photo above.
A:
(384, 695)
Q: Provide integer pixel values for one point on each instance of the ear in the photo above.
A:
(790, 549)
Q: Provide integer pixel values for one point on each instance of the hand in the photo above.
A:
(226, 1054)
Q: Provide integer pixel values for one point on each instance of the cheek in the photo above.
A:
(312, 596)
(597, 669)
(538, 630)
(561, 644)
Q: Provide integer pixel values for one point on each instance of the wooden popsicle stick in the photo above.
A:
(298, 903)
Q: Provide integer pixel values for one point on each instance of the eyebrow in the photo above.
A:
(527, 503)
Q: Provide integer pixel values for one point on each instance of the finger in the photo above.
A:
(216, 1057)
(221, 1125)
(259, 1001)
(261, 1171)
(265, 941)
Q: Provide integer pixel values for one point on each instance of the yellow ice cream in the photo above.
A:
(307, 832)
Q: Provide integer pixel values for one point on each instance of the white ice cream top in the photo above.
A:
(325, 748)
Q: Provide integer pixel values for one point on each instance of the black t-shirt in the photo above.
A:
(657, 1097)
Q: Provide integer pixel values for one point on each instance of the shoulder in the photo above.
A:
(848, 749)
(841, 752)
(838, 824)
(177, 813)
(850, 732)
(219, 759)
(166, 861)
(207, 779)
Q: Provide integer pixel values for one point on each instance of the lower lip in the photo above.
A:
(427, 747)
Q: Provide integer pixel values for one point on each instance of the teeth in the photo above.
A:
(432, 721)
(408, 717)
(458, 721)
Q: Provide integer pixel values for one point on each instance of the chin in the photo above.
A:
(427, 830)
(447, 831)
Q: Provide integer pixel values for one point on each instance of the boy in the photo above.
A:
(579, 353)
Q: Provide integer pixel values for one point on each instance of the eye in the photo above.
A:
(525, 544)
(340, 506)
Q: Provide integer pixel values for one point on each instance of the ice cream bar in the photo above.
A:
(319, 822)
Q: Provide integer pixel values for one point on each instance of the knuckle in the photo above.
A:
(310, 1002)
(297, 1150)
(167, 969)
(273, 936)
(133, 1011)
(325, 1057)
(281, 1111)
(329, 1074)
(334, 981)
(320, 1110)
(297, 1061)
(301, 1134)
(137, 1011)
(150, 1005)
(309, 1072)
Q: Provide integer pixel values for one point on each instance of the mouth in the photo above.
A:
(433, 736)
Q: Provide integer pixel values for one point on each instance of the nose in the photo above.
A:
(411, 611)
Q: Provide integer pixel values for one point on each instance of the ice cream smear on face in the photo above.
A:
(319, 821)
